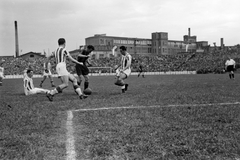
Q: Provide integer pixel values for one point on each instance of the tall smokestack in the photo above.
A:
(16, 39)
(189, 32)
(221, 41)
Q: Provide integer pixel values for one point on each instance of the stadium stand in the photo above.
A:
(206, 62)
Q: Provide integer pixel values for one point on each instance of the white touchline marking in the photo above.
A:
(154, 106)
(71, 154)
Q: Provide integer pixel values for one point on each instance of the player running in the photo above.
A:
(140, 70)
(1, 75)
(29, 88)
(230, 67)
(60, 56)
(82, 70)
(124, 69)
(47, 73)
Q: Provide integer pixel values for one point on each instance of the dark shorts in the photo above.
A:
(82, 70)
(230, 68)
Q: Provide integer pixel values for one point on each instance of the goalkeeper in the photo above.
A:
(47, 73)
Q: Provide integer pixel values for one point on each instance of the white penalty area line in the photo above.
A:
(70, 142)
(155, 106)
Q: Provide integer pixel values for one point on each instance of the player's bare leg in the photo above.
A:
(232, 74)
(58, 89)
(1, 79)
(86, 82)
(51, 80)
(76, 87)
(44, 78)
(79, 80)
(123, 76)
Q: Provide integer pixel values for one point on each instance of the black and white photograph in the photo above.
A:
(119, 80)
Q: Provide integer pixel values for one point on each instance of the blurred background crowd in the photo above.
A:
(206, 62)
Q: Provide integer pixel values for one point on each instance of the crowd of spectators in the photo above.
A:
(206, 62)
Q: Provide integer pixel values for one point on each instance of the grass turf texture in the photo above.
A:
(34, 128)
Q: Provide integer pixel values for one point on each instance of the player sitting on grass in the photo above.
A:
(124, 70)
(60, 56)
(29, 88)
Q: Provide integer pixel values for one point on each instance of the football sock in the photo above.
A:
(123, 87)
(79, 83)
(79, 92)
(86, 84)
(54, 91)
(230, 76)
(233, 75)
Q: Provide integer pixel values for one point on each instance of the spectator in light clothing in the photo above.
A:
(230, 67)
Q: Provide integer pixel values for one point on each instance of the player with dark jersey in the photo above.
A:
(140, 70)
(82, 70)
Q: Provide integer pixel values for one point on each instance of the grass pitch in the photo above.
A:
(34, 128)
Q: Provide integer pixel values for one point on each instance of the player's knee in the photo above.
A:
(75, 87)
(59, 89)
(86, 78)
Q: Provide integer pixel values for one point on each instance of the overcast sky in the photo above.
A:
(42, 22)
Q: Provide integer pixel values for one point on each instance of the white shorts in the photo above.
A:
(47, 74)
(61, 69)
(127, 72)
(35, 91)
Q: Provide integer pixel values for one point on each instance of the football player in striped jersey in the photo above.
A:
(124, 70)
(61, 68)
(29, 88)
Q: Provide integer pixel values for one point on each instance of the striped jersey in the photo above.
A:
(125, 60)
(1, 71)
(60, 55)
(28, 84)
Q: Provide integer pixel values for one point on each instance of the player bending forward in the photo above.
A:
(124, 69)
(60, 56)
(230, 67)
(82, 70)
(1, 75)
(47, 73)
(29, 88)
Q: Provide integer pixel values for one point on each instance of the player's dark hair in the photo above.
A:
(29, 70)
(61, 41)
(91, 47)
(123, 48)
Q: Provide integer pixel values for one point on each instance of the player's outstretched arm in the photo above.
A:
(74, 60)
(113, 50)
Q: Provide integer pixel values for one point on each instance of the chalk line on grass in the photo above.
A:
(155, 106)
(70, 143)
